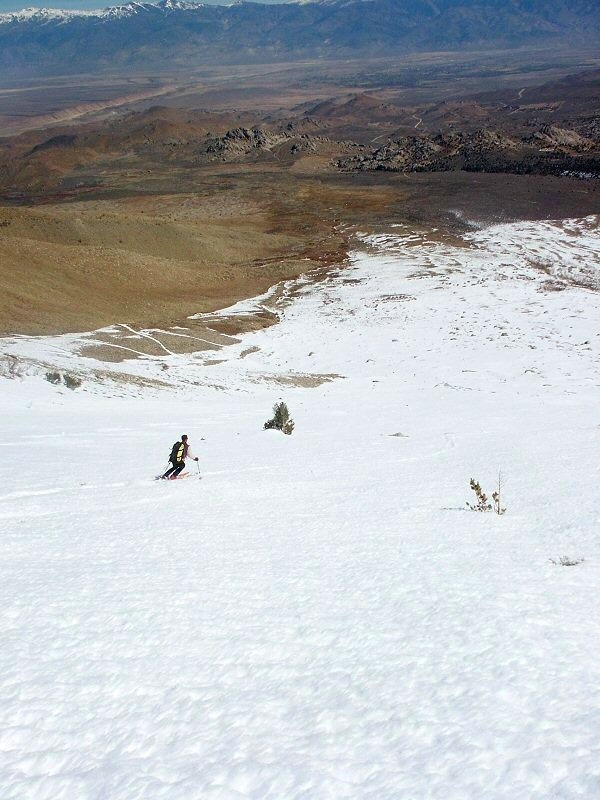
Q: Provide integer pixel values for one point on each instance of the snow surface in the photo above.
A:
(319, 616)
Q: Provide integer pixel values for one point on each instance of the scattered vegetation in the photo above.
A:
(10, 367)
(496, 497)
(70, 381)
(281, 420)
(565, 561)
(482, 503)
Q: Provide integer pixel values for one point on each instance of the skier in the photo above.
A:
(179, 452)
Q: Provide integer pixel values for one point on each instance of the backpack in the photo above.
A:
(177, 452)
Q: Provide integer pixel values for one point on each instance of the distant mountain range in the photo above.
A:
(175, 34)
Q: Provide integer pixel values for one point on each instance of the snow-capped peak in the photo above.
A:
(125, 10)
(43, 15)
(173, 5)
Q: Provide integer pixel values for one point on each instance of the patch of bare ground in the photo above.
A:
(552, 286)
(249, 350)
(112, 353)
(302, 380)
(151, 262)
(122, 343)
(236, 324)
(395, 298)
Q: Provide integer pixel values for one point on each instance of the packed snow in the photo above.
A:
(318, 616)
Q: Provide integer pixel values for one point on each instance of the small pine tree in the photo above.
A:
(281, 420)
(482, 503)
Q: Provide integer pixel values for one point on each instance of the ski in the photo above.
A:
(178, 478)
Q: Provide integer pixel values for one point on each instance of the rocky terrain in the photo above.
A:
(548, 151)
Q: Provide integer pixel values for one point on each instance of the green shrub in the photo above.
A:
(281, 420)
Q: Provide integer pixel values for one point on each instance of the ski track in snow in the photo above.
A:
(320, 617)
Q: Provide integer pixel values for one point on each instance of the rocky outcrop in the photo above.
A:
(548, 151)
(240, 143)
(555, 138)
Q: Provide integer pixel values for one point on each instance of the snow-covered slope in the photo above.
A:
(319, 616)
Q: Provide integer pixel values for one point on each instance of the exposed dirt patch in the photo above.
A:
(85, 266)
(395, 298)
(249, 350)
(302, 380)
(123, 342)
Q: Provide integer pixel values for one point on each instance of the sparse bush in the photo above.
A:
(281, 420)
(11, 367)
(565, 561)
(497, 507)
(53, 378)
(482, 503)
(496, 497)
(71, 381)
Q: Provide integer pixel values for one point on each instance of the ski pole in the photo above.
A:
(198, 465)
